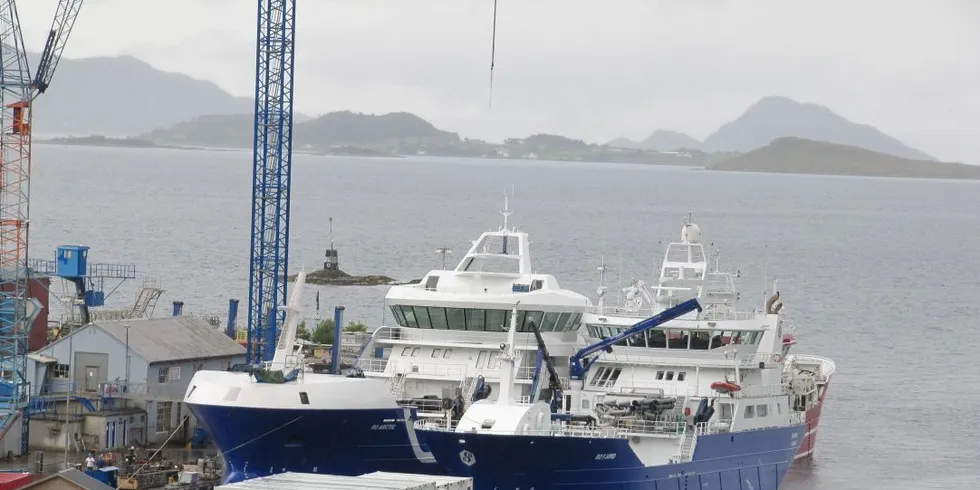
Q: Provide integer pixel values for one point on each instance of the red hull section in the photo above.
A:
(11, 481)
(812, 421)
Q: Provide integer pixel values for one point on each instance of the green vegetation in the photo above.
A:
(323, 332)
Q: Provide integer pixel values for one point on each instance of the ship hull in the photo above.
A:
(320, 424)
(755, 459)
(261, 441)
(809, 444)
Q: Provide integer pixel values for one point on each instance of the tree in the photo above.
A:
(302, 332)
(355, 327)
(323, 333)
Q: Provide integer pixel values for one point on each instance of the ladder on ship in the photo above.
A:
(688, 442)
(396, 384)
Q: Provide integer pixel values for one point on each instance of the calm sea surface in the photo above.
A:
(882, 275)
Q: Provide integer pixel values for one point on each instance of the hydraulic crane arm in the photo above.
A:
(554, 382)
(581, 361)
(64, 21)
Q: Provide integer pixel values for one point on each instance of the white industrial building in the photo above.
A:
(132, 376)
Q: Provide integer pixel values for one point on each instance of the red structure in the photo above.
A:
(11, 481)
(37, 287)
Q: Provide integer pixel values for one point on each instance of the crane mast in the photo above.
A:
(18, 89)
(271, 165)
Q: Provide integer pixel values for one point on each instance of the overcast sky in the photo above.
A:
(586, 69)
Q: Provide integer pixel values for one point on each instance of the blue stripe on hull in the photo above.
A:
(755, 460)
(260, 441)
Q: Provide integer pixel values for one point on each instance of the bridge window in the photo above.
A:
(533, 316)
(436, 352)
(749, 411)
(681, 375)
(670, 376)
(437, 316)
(409, 317)
(475, 319)
(550, 319)
(456, 318)
(497, 320)
(447, 354)
(396, 311)
(422, 316)
(762, 410)
(406, 350)
(415, 352)
(660, 375)
(483, 320)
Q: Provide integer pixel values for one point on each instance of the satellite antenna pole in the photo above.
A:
(443, 251)
(493, 52)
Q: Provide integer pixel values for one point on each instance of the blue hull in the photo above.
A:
(258, 442)
(755, 460)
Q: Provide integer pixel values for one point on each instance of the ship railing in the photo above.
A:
(555, 430)
(432, 336)
(646, 388)
(430, 369)
(122, 390)
(758, 357)
(760, 391)
(651, 427)
(372, 365)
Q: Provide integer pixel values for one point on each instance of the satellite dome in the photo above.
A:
(690, 233)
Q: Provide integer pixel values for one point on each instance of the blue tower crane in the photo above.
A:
(271, 165)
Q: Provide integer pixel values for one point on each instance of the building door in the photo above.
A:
(91, 378)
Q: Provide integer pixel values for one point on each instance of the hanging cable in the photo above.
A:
(493, 51)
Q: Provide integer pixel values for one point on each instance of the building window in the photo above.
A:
(174, 373)
(164, 410)
(163, 375)
(62, 371)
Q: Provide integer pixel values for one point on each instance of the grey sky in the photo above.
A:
(586, 69)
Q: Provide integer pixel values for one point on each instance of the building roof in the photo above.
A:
(173, 338)
(77, 478)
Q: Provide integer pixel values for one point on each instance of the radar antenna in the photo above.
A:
(506, 211)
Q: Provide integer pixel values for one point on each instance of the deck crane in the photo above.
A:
(580, 362)
(271, 165)
(18, 89)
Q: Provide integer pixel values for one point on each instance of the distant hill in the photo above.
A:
(797, 155)
(776, 117)
(351, 128)
(659, 140)
(123, 96)
(383, 132)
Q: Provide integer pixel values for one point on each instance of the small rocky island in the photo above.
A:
(331, 275)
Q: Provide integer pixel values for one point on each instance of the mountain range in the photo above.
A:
(124, 96)
(776, 117)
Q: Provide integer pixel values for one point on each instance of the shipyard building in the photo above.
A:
(121, 383)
